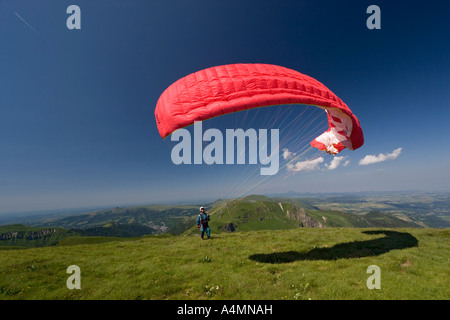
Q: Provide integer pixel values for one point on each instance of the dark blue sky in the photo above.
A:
(77, 123)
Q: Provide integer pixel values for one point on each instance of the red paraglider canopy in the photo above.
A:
(230, 88)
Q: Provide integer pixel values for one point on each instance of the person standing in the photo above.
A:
(202, 223)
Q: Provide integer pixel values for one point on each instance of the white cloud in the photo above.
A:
(308, 165)
(336, 162)
(370, 159)
(287, 154)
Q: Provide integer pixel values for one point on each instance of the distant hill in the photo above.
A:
(426, 208)
(251, 213)
(21, 236)
(135, 221)
(332, 218)
(258, 212)
(151, 219)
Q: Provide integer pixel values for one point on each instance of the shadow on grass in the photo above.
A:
(355, 249)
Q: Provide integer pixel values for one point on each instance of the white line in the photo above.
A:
(29, 26)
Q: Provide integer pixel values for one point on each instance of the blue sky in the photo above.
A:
(77, 124)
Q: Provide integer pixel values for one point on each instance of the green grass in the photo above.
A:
(305, 263)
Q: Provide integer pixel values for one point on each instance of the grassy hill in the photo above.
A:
(254, 213)
(300, 263)
(257, 212)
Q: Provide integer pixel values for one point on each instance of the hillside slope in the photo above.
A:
(257, 212)
(301, 263)
(260, 213)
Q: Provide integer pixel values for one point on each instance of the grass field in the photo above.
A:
(304, 263)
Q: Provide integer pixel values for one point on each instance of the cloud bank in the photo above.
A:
(370, 159)
(287, 154)
(336, 162)
(314, 164)
(308, 165)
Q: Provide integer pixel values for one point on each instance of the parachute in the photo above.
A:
(230, 88)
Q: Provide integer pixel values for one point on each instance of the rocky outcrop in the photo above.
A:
(28, 235)
(32, 235)
(162, 228)
(230, 227)
(304, 220)
(9, 235)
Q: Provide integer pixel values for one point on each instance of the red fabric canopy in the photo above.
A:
(230, 88)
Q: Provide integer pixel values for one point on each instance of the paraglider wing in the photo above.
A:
(230, 88)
